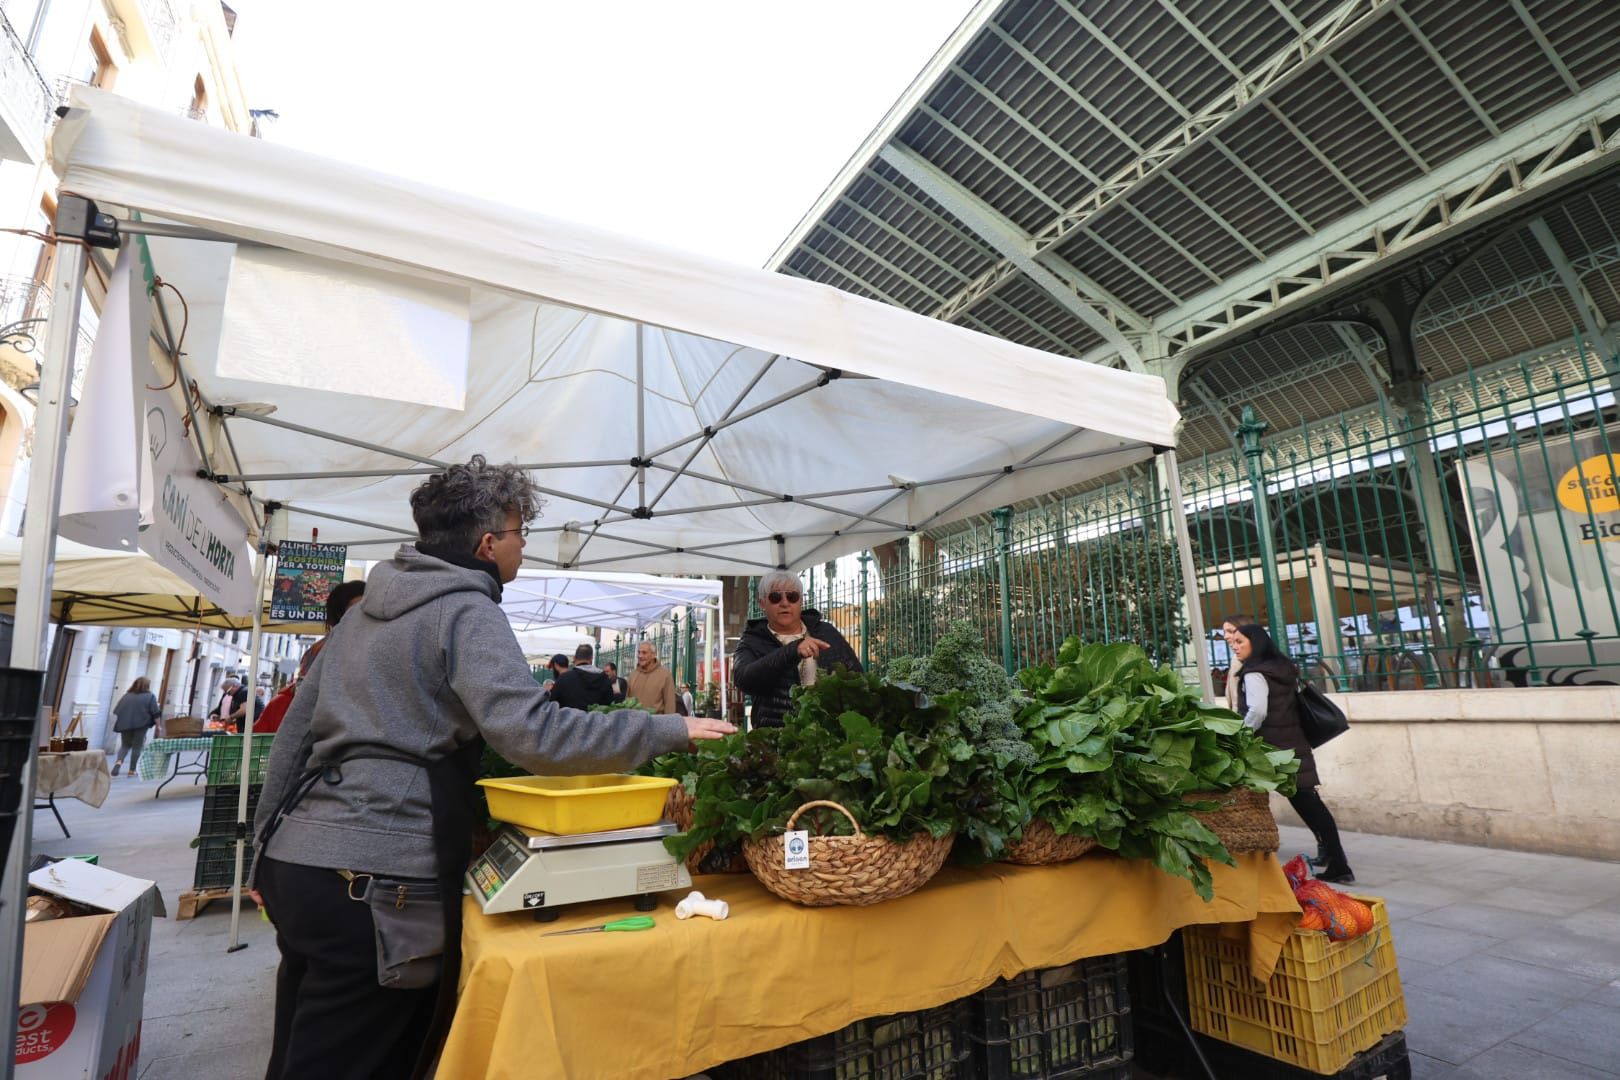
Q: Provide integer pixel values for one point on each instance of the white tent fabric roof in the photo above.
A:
(683, 414)
(539, 601)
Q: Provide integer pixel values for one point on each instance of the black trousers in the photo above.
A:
(332, 1019)
(1319, 819)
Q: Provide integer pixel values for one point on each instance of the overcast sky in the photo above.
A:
(710, 125)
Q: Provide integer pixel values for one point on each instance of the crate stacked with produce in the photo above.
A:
(1336, 991)
(1071, 1022)
(1065, 1023)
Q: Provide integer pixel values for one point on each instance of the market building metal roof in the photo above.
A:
(1169, 185)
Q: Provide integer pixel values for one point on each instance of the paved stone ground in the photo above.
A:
(1510, 961)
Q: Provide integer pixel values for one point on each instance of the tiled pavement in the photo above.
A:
(1510, 961)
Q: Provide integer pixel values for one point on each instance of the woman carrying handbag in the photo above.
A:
(1268, 698)
(135, 714)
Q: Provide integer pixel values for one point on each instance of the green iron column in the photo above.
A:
(1249, 432)
(690, 670)
(675, 645)
(1003, 520)
(866, 652)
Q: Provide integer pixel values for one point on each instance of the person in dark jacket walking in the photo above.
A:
(370, 788)
(1268, 699)
(621, 688)
(584, 684)
(135, 714)
(787, 648)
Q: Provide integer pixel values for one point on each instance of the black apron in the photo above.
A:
(452, 788)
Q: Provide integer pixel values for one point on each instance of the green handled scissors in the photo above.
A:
(637, 922)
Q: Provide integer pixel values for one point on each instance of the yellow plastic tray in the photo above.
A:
(578, 804)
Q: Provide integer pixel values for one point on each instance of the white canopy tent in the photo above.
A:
(541, 601)
(683, 414)
(345, 332)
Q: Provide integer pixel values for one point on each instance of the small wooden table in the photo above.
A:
(77, 774)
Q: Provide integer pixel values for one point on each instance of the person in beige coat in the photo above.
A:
(1229, 629)
(651, 684)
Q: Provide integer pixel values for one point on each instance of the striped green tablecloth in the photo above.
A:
(154, 762)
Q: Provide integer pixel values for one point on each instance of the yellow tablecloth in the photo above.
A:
(685, 996)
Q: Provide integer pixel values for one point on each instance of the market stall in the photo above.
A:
(348, 333)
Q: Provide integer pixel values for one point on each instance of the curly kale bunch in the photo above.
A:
(991, 698)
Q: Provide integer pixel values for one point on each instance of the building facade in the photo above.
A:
(170, 54)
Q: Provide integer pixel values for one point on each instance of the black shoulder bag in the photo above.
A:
(1319, 718)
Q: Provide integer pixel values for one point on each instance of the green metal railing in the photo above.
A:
(1465, 534)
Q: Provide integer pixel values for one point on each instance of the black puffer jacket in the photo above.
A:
(768, 672)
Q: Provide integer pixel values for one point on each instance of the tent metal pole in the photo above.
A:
(231, 412)
(720, 643)
(641, 418)
(33, 604)
(738, 400)
(255, 647)
(1189, 575)
(707, 434)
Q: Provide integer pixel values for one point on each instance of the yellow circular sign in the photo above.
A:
(1592, 486)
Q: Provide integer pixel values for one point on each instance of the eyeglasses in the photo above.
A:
(776, 597)
(521, 530)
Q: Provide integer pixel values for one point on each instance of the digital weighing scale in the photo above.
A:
(529, 870)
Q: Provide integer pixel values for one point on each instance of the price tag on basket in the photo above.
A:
(796, 849)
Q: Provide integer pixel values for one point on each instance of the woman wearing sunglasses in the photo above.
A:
(786, 648)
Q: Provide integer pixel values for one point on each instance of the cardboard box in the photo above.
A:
(84, 976)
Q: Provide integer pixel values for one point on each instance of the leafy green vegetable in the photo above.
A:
(990, 697)
(1119, 744)
(900, 761)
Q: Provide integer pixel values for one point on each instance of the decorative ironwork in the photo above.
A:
(21, 82)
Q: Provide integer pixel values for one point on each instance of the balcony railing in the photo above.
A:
(161, 22)
(22, 299)
(25, 91)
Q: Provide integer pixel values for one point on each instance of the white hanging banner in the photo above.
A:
(102, 474)
(195, 531)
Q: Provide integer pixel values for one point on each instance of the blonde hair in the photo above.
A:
(140, 685)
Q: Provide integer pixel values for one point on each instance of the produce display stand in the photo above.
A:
(687, 996)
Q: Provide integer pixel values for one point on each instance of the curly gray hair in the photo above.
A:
(778, 581)
(455, 508)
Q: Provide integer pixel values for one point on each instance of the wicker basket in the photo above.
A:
(1243, 821)
(848, 870)
(678, 807)
(1041, 845)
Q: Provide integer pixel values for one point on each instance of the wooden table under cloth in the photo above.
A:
(685, 996)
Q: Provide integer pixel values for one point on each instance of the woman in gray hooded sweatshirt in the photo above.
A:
(370, 783)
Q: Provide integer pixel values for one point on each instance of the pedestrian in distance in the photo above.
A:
(134, 715)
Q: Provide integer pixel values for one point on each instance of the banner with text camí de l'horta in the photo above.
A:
(195, 531)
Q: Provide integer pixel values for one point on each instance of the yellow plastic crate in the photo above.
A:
(1326, 1002)
(577, 804)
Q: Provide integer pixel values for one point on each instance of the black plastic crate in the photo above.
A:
(219, 809)
(1386, 1061)
(1161, 1040)
(216, 862)
(931, 1044)
(1071, 1021)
